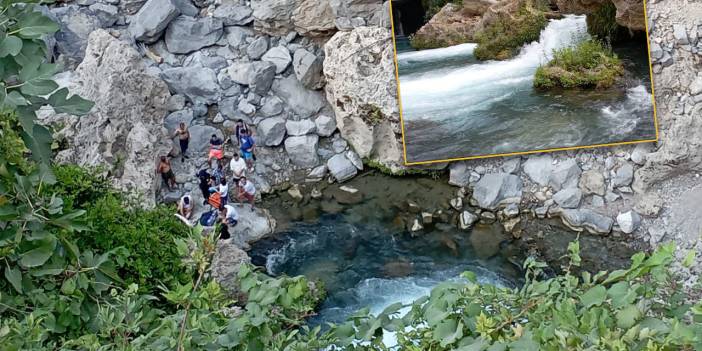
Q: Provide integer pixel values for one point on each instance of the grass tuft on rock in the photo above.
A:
(502, 39)
(589, 64)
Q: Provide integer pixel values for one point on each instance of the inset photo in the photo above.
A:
(481, 78)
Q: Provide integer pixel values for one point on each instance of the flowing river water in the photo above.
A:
(455, 106)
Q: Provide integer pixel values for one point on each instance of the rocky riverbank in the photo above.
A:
(319, 88)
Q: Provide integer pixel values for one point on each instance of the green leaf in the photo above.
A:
(478, 344)
(3, 93)
(594, 297)
(38, 255)
(14, 99)
(11, 45)
(34, 25)
(75, 105)
(525, 343)
(448, 331)
(69, 286)
(626, 318)
(621, 294)
(470, 276)
(392, 309)
(14, 276)
(689, 259)
(39, 143)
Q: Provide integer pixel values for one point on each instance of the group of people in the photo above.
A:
(215, 185)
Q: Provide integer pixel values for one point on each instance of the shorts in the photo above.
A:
(248, 197)
(216, 153)
(167, 176)
(184, 145)
(232, 222)
(246, 155)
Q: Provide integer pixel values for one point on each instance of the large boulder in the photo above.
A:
(542, 171)
(301, 127)
(279, 56)
(303, 150)
(200, 137)
(76, 23)
(258, 75)
(226, 263)
(198, 84)
(271, 131)
(124, 131)
(359, 13)
(361, 87)
(307, 17)
(233, 14)
(341, 168)
(187, 34)
(152, 19)
(454, 24)
(308, 69)
(498, 189)
(325, 125)
(303, 102)
(252, 226)
(630, 13)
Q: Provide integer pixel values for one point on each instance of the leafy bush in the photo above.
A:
(504, 37)
(11, 144)
(588, 65)
(602, 24)
(150, 258)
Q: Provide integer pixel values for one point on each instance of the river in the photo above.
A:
(455, 106)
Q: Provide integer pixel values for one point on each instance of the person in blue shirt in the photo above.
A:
(248, 147)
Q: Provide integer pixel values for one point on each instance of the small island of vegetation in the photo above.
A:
(590, 64)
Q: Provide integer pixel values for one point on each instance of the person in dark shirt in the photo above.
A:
(216, 148)
(248, 147)
(204, 185)
(240, 127)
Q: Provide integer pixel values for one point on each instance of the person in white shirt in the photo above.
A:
(247, 191)
(185, 206)
(238, 167)
(229, 217)
(223, 190)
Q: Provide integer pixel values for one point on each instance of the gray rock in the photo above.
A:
(198, 84)
(246, 108)
(252, 226)
(279, 56)
(307, 17)
(176, 102)
(200, 59)
(597, 201)
(200, 137)
(303, 102)
(680, 34)
(258, 75)
(355, 159)
(236, 36)
(257, 48)
(623, 176)
(539, 169)
(656, 51)
(325, 125)
(566, 174)
(271, 106)
(174, 119)
(318, 172)
(131, 7)
(187, 34)
(467, 220)
(339, 145)
(186, 7)
(593, 222)
(592, 182)
(76, 23)
(85, 2)
(350, 14)
(341, 168)
(271, 131)
(152, 19)
(511, 211)
(611, 197)
(459, 174)
(568, 198)
(303, 150)
(696, 86)
(628, 221)
(226, 263)
(511, 165)
(649, 204)
(229, 107)
(308, 69)
(301, 127)
(638, 156)
(497, 189)
(106, 13)
(233, 14)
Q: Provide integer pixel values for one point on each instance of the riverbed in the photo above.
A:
(454, 106)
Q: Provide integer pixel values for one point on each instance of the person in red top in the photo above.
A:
(216, 148)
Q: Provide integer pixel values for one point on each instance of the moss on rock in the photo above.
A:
(502, 38)
(589, 64)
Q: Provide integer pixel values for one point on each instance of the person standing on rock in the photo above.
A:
(204, 184)
(238, 167)
(247, 191)
(216, 148)
(184, 138)
(164, 167)
(223, 190)
(218, 173)
(240, 127)
(248, 147)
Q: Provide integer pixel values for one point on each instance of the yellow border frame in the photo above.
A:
(402, 123)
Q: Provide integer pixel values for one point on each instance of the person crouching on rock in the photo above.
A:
(229, 217)
(185, 206)
(247, 147)
(216, 145)
(164, 167)
(247, 191)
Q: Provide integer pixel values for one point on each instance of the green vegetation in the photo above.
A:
(60, 291)
(432, 7)
(407, 171)
(422, 42)
(11, 144)
(588, 65)
(503, 37)
(602, 24)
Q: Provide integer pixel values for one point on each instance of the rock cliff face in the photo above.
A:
(362, 89)
(630, 13)
(124, 131)
(452, 25)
